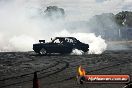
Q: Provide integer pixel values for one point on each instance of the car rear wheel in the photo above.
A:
(85, 50)
(43, 51)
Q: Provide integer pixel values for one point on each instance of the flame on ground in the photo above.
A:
(81, 71)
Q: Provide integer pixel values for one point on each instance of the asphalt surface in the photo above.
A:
(60, 71)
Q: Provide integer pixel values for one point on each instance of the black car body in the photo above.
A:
(60, 45)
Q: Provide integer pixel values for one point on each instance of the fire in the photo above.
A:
(81, 71)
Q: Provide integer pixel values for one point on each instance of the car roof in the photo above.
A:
(66, 37)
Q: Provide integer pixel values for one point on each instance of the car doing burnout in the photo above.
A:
(62, 45)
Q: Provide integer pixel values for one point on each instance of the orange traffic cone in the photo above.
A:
(35, 81)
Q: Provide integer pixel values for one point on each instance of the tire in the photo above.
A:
(43, 51)
(85, 50)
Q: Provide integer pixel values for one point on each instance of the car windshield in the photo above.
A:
(56, 41)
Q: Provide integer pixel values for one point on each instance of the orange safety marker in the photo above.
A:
(35, 81)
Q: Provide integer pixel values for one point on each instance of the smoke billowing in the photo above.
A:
(22, 22)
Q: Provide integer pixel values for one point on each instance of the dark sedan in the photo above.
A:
(62, 45)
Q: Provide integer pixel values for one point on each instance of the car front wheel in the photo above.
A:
(43, 51)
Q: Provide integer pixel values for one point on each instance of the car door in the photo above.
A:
(56, 46)
(67, 45)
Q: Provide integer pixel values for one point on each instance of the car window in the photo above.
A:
(57, 41)
(70, 41)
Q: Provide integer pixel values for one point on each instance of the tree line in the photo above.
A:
(110, 26)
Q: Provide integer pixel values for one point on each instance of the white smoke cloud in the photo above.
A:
(21, 43)
(16, 43)
(128, 1)
(77, 52)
